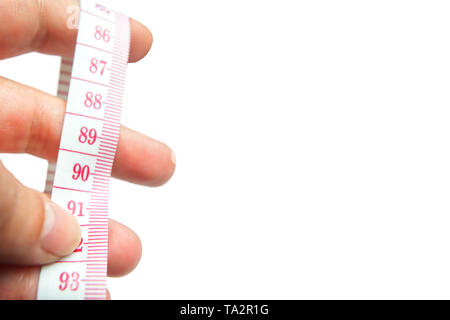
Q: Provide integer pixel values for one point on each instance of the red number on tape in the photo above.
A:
(80, 171)
(96, 103)
(86, 135)
(94, 68)
(72, 206)
(101, 34)
(80, 246)
(67, 281)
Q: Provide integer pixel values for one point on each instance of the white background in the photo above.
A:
(312, 143)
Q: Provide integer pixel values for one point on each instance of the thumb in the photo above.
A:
(33, 230)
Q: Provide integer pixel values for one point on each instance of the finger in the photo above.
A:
(21, 282)
(44, 26)
(31, 121)
(33, 230)
(124, 249)
(142, 160)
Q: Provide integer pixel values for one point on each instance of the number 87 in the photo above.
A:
(94, 66)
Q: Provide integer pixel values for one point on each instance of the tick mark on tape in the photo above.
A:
(96, 48)
(97, 16)
(86, 154)
(85, 116)
(70, 189)
(93, 82)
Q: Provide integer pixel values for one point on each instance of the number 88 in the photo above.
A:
(96, 103)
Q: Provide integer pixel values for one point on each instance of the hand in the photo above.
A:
(33, 230)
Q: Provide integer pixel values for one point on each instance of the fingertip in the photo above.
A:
(124, 249)
(159, 169)
(141, 41)
(159, 163)
(168, 165)
(143, 160)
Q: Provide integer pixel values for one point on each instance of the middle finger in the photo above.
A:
(31, 122)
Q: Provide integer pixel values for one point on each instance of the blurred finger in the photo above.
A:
(43, 26)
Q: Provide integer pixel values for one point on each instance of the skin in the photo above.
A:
(31, 122)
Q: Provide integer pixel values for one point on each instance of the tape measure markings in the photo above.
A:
(80, 179)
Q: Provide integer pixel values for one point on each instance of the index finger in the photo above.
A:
(42, 26)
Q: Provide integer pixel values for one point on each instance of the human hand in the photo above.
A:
(33, 230)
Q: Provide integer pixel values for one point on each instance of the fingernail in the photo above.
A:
(173, 158)
(61, 232)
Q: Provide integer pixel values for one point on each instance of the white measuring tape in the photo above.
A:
(79, 182)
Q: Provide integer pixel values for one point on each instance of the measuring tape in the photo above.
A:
(79, 181)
